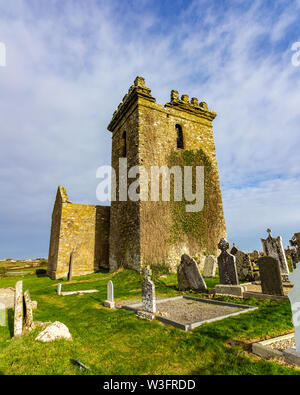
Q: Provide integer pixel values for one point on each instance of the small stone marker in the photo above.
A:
(59, 289)
(270, 276)
(28, 310)
(243, 266)
(189, 276)
(294, 296)
(18, 315)
(273, 247)
(210, 266)
(54, 331)
(110, 302)
(227, 265)
(148, 292)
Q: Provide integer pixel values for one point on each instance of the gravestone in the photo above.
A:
(18, 314)
(110, 302)
(210, 266)
(255, 255)
(233, 250)
(294, 296)
(295, 253)
(243, 266)
(227, 266)
(148, 293)
(273, 247)
(2, 314)
(189, 276)
(270, 276)
(28, 311)
(59, 289)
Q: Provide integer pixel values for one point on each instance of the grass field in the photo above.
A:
(116, 342)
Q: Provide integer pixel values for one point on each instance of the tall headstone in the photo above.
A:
(273, 247)
(243, 266)
(148, 293)
(294, 296)
(210, 266)
(28, 310)
(270, 276)
(59, 289)
(189, 276)
(227, 265)
(110, 302)
(18, 314)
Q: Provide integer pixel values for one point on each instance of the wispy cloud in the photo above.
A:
(70, 63)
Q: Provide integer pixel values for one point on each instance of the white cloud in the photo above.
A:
(70, 63)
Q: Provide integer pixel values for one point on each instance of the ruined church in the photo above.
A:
(133, 234)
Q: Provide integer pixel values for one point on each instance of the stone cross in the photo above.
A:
(18, 314)
(110, 302)
(294, 296)
(270, 276)
(227, 265)
(148, 293)
(273, 247)
(28, 311)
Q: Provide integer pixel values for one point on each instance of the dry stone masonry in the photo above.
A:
(132, 234)
(273, 247)
(189, 276)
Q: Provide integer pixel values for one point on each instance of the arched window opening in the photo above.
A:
(180, 144)
(124, 145)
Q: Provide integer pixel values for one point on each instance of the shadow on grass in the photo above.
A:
(10, 321)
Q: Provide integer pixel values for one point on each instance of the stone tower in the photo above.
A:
(178, 134)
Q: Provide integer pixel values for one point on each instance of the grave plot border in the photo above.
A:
(193, 325)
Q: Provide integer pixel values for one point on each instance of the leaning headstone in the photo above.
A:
(110, 302)
(273, 247)
(148, 293)
(28, 311)
(189, 276)
(59, 289)
(270, 276)
(18, 315)
(210, 266)
(227, 265)
(243, 266)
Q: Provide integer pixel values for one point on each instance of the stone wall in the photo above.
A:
(83, 229)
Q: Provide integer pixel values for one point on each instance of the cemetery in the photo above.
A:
(204, 319)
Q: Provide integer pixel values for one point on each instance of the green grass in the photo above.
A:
(116, 342)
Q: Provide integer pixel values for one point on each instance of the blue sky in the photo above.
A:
(69, 63)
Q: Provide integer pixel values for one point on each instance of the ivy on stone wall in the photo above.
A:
(199, 225)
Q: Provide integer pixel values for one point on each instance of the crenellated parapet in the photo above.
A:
(193, 106)
(138, 89)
